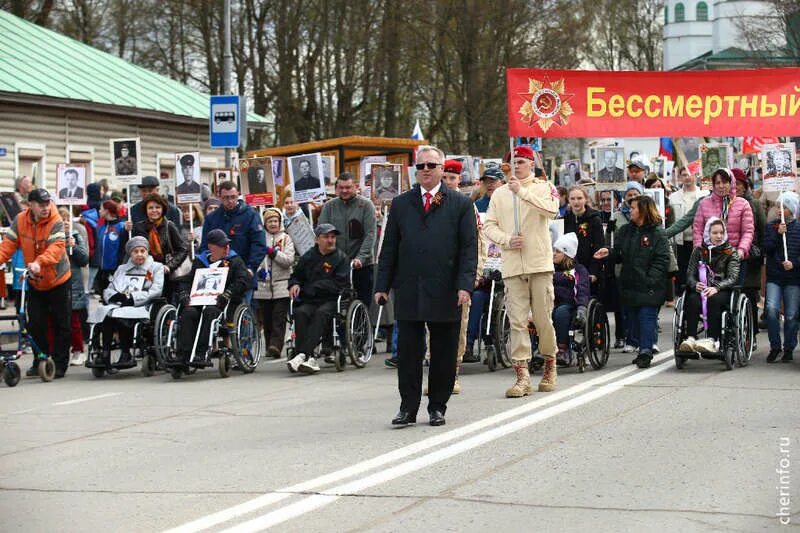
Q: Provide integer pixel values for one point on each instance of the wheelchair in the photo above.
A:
(492, 344)
(235, 344)
(349, 334)
(147, 335)
(589, 341)
(736, 343)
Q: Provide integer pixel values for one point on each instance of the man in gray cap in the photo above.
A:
(189, 186)
(238, 281)
(319, 277)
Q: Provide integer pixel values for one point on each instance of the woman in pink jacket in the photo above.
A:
(735, 212)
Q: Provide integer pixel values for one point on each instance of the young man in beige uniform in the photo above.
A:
(527, 265)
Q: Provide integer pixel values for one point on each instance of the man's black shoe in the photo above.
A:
(643, 361)
(436, 418)
(772, 357)
(469, 355)
(404, 418)
(125, 358)
(32, 372)
(391, 363)
(787, 357)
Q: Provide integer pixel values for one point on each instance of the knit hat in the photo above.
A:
(93, 192)
(634, 185)
(739, 175)
(212, 201)
(273, 212)
(451, 165)
(112, 207)
(790, 201)
(567, 243)
(136, 242)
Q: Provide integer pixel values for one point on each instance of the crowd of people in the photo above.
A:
(426, 260)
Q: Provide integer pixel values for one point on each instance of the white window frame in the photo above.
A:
(31, 146)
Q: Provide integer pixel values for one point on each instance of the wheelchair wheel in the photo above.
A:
(744, 332)
(47, 369)
(677, 328)
(502, 336)
(358, 334)
(11, 374)
(246, 339)
(148, 364)
(597, 335)
(176, 372)
(339, 359)
(225, 365)
(165, 332)
(98, 371)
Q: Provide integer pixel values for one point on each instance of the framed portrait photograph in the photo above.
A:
(365, 175)
(713, 156)
(329, 171)
(386, 182)
(219, 177)
(306, 177)
(658, 197)
(127, 159)
(257, 180)
(188, 188)
(572, 168)
(611, 165)
(208, 283)
(779, 166)
(71, 184)
(278, 171)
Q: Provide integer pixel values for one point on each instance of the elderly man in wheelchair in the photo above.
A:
(131, 297)
(319, 278)
(237, 282)
(711, 293)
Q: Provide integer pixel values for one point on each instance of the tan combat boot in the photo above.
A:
(523, 385)
(549, 374)
(457, 385)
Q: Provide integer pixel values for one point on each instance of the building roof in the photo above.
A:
(732, 58)
(353, 147)
(38, 65)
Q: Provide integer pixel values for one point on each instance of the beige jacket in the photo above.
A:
(276, 269)
(538, 206)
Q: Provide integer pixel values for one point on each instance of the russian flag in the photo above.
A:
(665, 148)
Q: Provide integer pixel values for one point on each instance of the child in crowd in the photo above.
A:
(571, 288)
(712, 272)
(783, 278)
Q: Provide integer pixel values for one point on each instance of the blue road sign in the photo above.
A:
(223, 121)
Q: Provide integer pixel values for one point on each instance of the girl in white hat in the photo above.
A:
(571, 287)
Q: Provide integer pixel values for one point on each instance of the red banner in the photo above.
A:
(582, 103)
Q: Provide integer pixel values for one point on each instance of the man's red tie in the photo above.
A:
(427, 206)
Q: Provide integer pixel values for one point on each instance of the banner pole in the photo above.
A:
(191, 229)
(514, 197)
(783, 221)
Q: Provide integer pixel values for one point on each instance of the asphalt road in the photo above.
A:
(618, 449)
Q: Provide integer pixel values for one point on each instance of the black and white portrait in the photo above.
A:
(71, 184)
(611, 165)
(207, 284)
(386, 183)
(278, 171)
(306, 174)
(780, 162)
(133, 284)
(257, 179)
(573, 169)
(10, 205)
(713, 158)
(187, 169)
(127, 158)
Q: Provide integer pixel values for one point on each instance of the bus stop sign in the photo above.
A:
(224, 120)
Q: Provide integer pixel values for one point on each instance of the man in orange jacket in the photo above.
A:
(39, 232)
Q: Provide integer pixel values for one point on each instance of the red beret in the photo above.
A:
(523, 151)
(738, 175)
(451, 165)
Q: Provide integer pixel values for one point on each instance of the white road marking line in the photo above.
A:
(89, 398)
(327, 497)
(267, 499)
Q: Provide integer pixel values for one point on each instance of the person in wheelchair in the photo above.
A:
(316, 283)
(712, 272)
(238, 281)
(572, 290)
(134, 285)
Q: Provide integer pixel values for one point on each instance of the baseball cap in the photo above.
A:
(217, 237)
(325, 228)
(493, 173)
(40, 196)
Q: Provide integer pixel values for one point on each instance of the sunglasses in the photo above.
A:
(429, 166)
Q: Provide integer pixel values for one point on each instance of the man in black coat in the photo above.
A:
(429, 258)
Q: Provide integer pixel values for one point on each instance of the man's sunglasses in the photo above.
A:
(429, 166)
